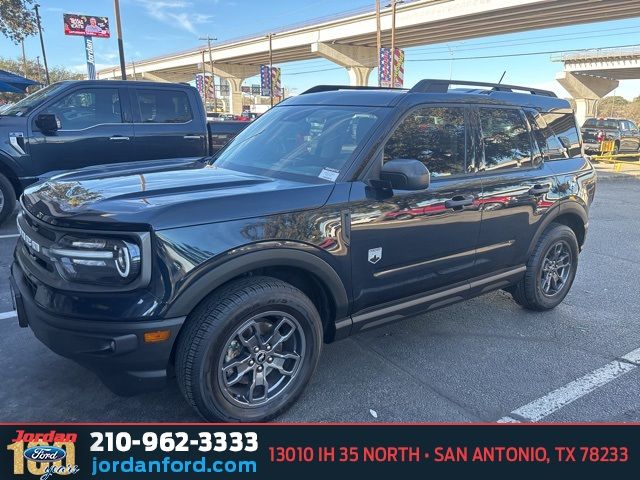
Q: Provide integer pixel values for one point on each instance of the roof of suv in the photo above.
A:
(436, 92)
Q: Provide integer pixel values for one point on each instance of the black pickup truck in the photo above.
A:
(75, 124)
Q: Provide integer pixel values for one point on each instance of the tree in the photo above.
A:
(17, 19)
(32, 72)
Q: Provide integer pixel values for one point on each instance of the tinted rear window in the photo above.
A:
(599, 123)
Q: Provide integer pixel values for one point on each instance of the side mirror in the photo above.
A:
(47, 123)
(406, 174)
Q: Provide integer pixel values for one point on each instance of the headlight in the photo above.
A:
(101, 261)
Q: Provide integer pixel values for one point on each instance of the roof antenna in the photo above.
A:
(503, 74)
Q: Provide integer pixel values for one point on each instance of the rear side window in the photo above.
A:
(163, 106)
(600, 123)
(505, 137)
(564, 126)
(436, 136)
(547, 141)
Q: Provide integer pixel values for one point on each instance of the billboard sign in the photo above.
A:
(86, 25)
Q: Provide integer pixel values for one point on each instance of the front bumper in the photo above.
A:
(116, 351)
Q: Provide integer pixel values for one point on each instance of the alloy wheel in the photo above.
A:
(556, 268)
(261, 358)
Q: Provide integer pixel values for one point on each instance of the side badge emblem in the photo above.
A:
(375, 255)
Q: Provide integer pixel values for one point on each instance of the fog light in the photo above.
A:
(157, 336)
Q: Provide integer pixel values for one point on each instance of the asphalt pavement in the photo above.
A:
(475, 361)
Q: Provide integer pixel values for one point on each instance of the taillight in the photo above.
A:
(600, 136)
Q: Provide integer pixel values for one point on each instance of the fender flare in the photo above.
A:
(193, 292)
(564, 208)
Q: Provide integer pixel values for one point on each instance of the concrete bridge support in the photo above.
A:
(586, 90)
(359, 61)
(235, 75)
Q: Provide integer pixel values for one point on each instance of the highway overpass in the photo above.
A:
(350, 41)
(590, 75)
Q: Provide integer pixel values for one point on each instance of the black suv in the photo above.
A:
(339, 210)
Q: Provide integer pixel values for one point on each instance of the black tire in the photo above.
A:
(7, 198)
(210, 336)
(529, 292)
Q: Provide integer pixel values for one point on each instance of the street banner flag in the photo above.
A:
(276, 79)
(265, 80)
(384, 74)
(204, 82)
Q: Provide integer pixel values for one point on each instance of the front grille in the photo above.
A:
(40, 228)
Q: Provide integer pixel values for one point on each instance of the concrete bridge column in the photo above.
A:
(359, 61)
(586, 90)
(235, 75)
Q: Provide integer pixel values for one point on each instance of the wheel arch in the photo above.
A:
(306, 271)
(572, 214)
(10, 174)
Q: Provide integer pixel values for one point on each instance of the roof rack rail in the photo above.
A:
(332, 88)
(442, 86)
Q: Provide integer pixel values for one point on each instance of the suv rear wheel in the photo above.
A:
(551, 270)
(248, 351)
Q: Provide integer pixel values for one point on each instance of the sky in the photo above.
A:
(152, 28)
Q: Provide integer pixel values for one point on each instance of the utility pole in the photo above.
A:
(271, 69)
(213, 76)
(39, 69)
(393, 42)
(204, 83)
(44, 54)
(133, 65)
(123, 68)
(378, 37)
(24, 60)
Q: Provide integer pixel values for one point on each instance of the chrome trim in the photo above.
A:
(358, 319)
(13, 140)
(466, 253)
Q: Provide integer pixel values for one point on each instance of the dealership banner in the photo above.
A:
(187, 451)
(86, 25)
(91, 60)
(385, 74)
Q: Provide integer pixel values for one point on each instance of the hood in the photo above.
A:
(147, 195)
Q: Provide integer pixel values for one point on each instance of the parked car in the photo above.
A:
(75, 124)
(623, 132)
(233, 274)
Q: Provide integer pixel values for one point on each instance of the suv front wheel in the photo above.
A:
(551, 270)
(249, 350)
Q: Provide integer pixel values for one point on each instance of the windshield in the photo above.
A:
(600, 123)
(303, 142)
(30, 102)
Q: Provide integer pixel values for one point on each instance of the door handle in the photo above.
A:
(118, 138)
(539, 189)
(459, 201)
(192, 137)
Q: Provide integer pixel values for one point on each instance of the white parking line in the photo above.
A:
(10, 314)
(572, 391)
(12, 235)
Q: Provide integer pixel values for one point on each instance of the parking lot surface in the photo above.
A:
(474, 361)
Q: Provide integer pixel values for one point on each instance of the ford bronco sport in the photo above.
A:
(339, 210)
